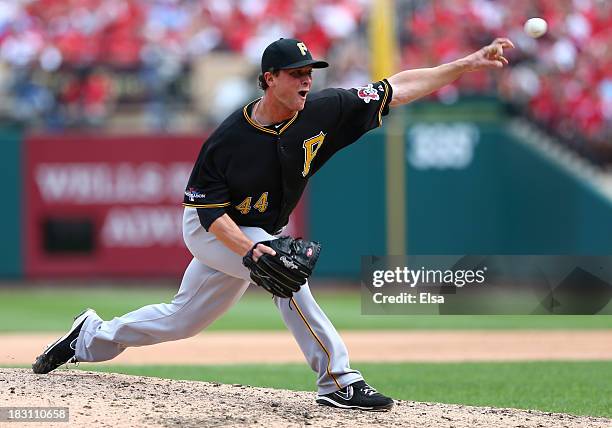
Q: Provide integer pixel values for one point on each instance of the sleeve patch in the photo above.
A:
(193, 194)
(367, 93)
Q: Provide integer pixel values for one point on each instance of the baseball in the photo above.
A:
(535, 27)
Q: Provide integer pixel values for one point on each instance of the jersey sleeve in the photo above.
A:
(362, 108)
(207, 189)
(356, 111)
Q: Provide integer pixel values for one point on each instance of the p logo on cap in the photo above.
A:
(302, 47)
(282, 54)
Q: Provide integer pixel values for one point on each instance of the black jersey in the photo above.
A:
(257, 174)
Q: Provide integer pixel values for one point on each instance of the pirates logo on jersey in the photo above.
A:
(311, 147)
(368, 93)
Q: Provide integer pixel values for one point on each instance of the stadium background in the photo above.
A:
(106, 102)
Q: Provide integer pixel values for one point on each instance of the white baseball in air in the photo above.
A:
(535, 27)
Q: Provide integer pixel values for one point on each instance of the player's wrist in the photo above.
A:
(248, 247)
(465, 64)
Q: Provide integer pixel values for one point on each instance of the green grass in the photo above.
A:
(51, 309)
(581, 388)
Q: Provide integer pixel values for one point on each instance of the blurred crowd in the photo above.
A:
(562, 81)
(76, 63)
(73, 63)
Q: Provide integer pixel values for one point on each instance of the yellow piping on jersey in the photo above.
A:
(263, 128)
(288, 123)
(224, 204)
(382, 105)
(318, 340)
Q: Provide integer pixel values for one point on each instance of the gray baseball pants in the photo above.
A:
(215, 280)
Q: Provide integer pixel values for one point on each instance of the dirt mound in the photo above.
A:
(114, 400)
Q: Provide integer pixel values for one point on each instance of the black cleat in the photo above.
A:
(358, 395)
(62, 350)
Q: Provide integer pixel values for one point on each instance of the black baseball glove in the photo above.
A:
(283, 274)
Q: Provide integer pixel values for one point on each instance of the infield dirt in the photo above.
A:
(375, 346)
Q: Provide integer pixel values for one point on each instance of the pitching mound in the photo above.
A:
(114, 400)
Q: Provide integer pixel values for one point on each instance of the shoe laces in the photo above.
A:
(368, 390)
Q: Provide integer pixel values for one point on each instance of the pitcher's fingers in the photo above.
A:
(504, 42)
(264, 249)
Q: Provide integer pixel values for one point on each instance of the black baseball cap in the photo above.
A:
(288, 53)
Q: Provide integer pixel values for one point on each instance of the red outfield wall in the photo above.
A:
(107, 205)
